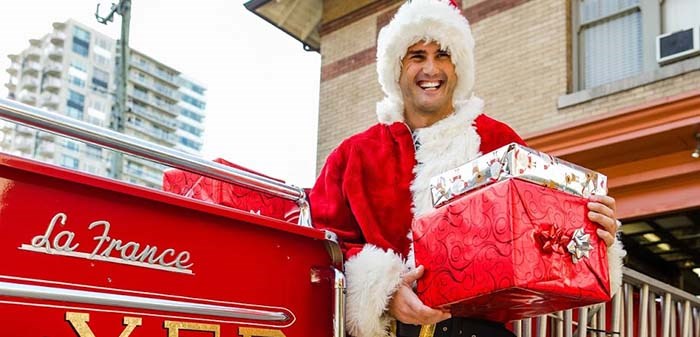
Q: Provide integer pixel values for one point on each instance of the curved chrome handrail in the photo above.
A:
(66, 126)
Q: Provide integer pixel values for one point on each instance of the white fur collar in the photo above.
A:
(444, 145)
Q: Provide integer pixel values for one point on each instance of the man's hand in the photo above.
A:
(406, 307)
(602, 211)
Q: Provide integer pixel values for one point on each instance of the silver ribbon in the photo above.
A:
(580, 245)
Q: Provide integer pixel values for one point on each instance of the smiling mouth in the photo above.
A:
(430, 85)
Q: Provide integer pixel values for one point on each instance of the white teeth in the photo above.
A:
(429, 85)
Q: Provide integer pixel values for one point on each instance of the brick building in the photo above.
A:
(577, 78)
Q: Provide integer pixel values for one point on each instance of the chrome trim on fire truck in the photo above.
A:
(333, 248)
(64, 125)
(137, 302)
(339, 307)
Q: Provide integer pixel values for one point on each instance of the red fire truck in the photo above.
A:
(85, 256)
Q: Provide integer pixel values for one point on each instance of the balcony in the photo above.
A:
(25, 130)
(154, 117)
(27, 97)
(33, 53)
(135, 78)
(55, 53)
(142, 96)
(29, 83)
(54, 68)
(165, 106)
(32, 68)
(165, 76)
(50, 100)
(153, 71)
(139, 173)
(13, 69)
(191, 107)
(11, 86)
(52, 84)
(58, 37)
(46, 149)
(154, 133)
(163, 90)
(23, 144)
(48, 136)
(157, 87)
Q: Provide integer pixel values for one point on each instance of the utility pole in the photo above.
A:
(122, 8)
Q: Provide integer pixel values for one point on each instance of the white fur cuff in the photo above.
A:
(615, 254)
(372, 278)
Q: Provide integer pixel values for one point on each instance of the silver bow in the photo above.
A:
(580, 245)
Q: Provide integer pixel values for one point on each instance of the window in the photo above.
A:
(101, 53)
(81, 41)
(193, 101)
(191, 115)
(74, 113)
(191, 129)
(100, 79)
(75, 105)
(616, 39)
(93, 151)
(141, 93)
(76, 81)
(70, 162)
(72, 146)
(190, 143)
(193, 87)
(77, 73)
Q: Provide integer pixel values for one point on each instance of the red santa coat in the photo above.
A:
(374, 184)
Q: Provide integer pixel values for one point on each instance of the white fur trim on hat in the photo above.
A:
(424, 20)
(373, 275)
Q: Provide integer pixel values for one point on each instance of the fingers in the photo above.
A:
(608, 222)
(606, 237)
(413, 275)
(406, 307)
(605, 200)
(602, 211)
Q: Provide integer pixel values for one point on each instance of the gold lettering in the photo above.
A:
(175, 327)
(79, 322)
(258, 332)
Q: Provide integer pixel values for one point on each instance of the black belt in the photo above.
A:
(454, 327)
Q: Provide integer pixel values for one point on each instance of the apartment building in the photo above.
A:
(608, 84)
(73, 71)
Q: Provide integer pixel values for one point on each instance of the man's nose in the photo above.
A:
(429, 67)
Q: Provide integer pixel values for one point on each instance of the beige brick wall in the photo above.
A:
(349, 40)
(347, 106)
(521, 62)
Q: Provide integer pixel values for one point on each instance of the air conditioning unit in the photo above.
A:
(677, 45)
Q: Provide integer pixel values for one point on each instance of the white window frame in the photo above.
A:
(651, 27)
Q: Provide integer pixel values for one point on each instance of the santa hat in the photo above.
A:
(423, 20)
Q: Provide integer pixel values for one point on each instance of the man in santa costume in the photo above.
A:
(375, 183)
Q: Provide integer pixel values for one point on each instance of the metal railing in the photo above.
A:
(643, 307)
(66, 126)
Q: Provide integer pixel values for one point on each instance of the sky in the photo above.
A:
(262, 87)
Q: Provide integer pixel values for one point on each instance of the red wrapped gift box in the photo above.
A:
(218, 192)
(500, 253)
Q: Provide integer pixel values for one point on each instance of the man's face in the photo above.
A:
(427, 80)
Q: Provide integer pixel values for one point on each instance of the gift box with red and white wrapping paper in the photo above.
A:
(215, 191)
(511, 250)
